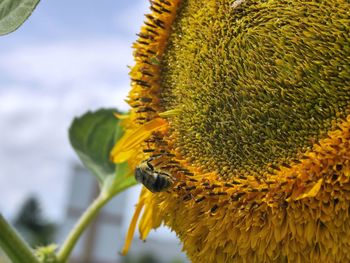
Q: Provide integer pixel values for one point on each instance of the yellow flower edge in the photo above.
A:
(293, 211)
(300, 215)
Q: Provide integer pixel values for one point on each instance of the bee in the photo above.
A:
(153, 180)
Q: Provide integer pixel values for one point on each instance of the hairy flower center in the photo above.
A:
(254, 90)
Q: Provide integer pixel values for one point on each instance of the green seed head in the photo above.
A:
(256, 83)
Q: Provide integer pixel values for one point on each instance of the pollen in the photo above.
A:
(245, 105)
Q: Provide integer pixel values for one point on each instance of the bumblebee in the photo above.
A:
(153, 180)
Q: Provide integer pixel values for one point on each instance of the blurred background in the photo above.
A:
(68, 57)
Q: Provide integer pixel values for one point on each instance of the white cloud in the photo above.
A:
(57, 65)
(134, 14)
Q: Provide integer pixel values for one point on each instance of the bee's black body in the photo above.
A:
(155, 181)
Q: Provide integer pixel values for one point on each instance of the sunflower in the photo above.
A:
(243, 106)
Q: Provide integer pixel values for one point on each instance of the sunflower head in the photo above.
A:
(241, 109)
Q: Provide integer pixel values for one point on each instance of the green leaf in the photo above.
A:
(92, 136)
(14, 12)
(122, 180)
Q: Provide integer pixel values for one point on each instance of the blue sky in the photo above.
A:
(69, 57)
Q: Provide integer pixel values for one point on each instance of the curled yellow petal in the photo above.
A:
(313, 191)
(121, 116)
(123, 150)
(131, 230)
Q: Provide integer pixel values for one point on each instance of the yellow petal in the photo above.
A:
(124, 148)
(121, 116)
(313, 191)
(131, 230)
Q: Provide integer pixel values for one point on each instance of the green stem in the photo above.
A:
(81, 225)
(108, 191)
(13, 245)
